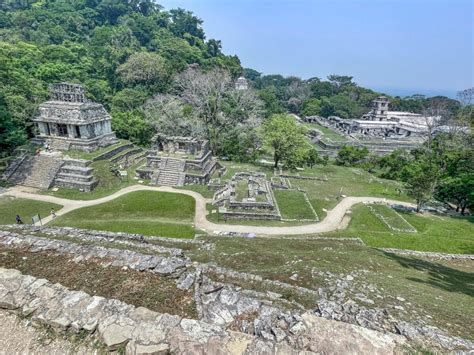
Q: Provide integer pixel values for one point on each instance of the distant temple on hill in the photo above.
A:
(241, 84)
(70, 121)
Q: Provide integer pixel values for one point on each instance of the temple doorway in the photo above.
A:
(62, 130)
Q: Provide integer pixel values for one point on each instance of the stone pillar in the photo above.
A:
(70, 131)
(43, 128)
(54, 129)
(84, 131)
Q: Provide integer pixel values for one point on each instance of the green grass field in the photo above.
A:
(293, 205)
(79, 154)
(391, 218)
(149, 213)
(327, 132)
(344, 181)
(108, 183)
(10, 207)
(434, 233)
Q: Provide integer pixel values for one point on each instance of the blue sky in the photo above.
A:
(399, 46)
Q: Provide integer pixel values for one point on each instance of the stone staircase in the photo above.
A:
(36, 171)
(170, 173)
(76, 174)
(58, 144)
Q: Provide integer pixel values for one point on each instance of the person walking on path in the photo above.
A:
(53, 213)
(18, 219)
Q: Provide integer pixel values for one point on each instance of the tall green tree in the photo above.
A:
(285, 139)
(421, 180)
(351, 156)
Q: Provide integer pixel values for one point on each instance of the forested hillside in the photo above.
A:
(134, 56)
(122, 51)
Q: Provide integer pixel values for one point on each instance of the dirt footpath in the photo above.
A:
(18, 336)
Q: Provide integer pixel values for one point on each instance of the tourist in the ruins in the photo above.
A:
(18, 219)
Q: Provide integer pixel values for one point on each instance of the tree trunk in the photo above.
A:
(418, 206)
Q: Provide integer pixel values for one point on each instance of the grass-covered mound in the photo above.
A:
(10, 207)
(294, 205)
(145, 212)
(434, 233)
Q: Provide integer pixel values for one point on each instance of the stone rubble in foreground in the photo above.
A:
(336, 324)
(141, 331)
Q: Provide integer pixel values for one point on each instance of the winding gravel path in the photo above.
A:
(333, 220)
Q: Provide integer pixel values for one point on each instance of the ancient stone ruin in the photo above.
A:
(382, 123)
(247, 196)
(176, 161)
(241, 84)
(70, 121)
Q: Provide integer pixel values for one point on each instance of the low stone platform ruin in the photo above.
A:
(247, 196)
(176, 161)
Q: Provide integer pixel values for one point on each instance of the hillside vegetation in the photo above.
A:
(127, 52)
(122, 51)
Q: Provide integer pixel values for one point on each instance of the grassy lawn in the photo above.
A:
(10, 207)
(442, 290)
(434, 233)
(293, 205)
(149, 213)
(202, 189)
(391, 218)
(241, 190)
(327, 132)
(108, 183)
(344, 181)
(79, 154)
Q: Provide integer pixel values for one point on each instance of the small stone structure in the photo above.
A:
(176, 161)
(258, 202)
(70, 121)
(241, 84)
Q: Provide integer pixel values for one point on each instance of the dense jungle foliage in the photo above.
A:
(127, 52)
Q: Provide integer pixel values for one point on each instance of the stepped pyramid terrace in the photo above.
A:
(70, 121)
(176, 161)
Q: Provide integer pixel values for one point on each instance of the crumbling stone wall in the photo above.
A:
(141, 331)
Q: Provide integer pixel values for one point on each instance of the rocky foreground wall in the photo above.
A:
(225, 305)
(141, 331)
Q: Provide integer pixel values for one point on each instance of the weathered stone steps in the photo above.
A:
(76, 174)
(74, 177)
(36, 171)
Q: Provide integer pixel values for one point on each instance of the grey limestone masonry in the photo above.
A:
(70, 121)
(141, 331)
(258, 203)
(263, 316)
(176, 161)
(76, 174)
